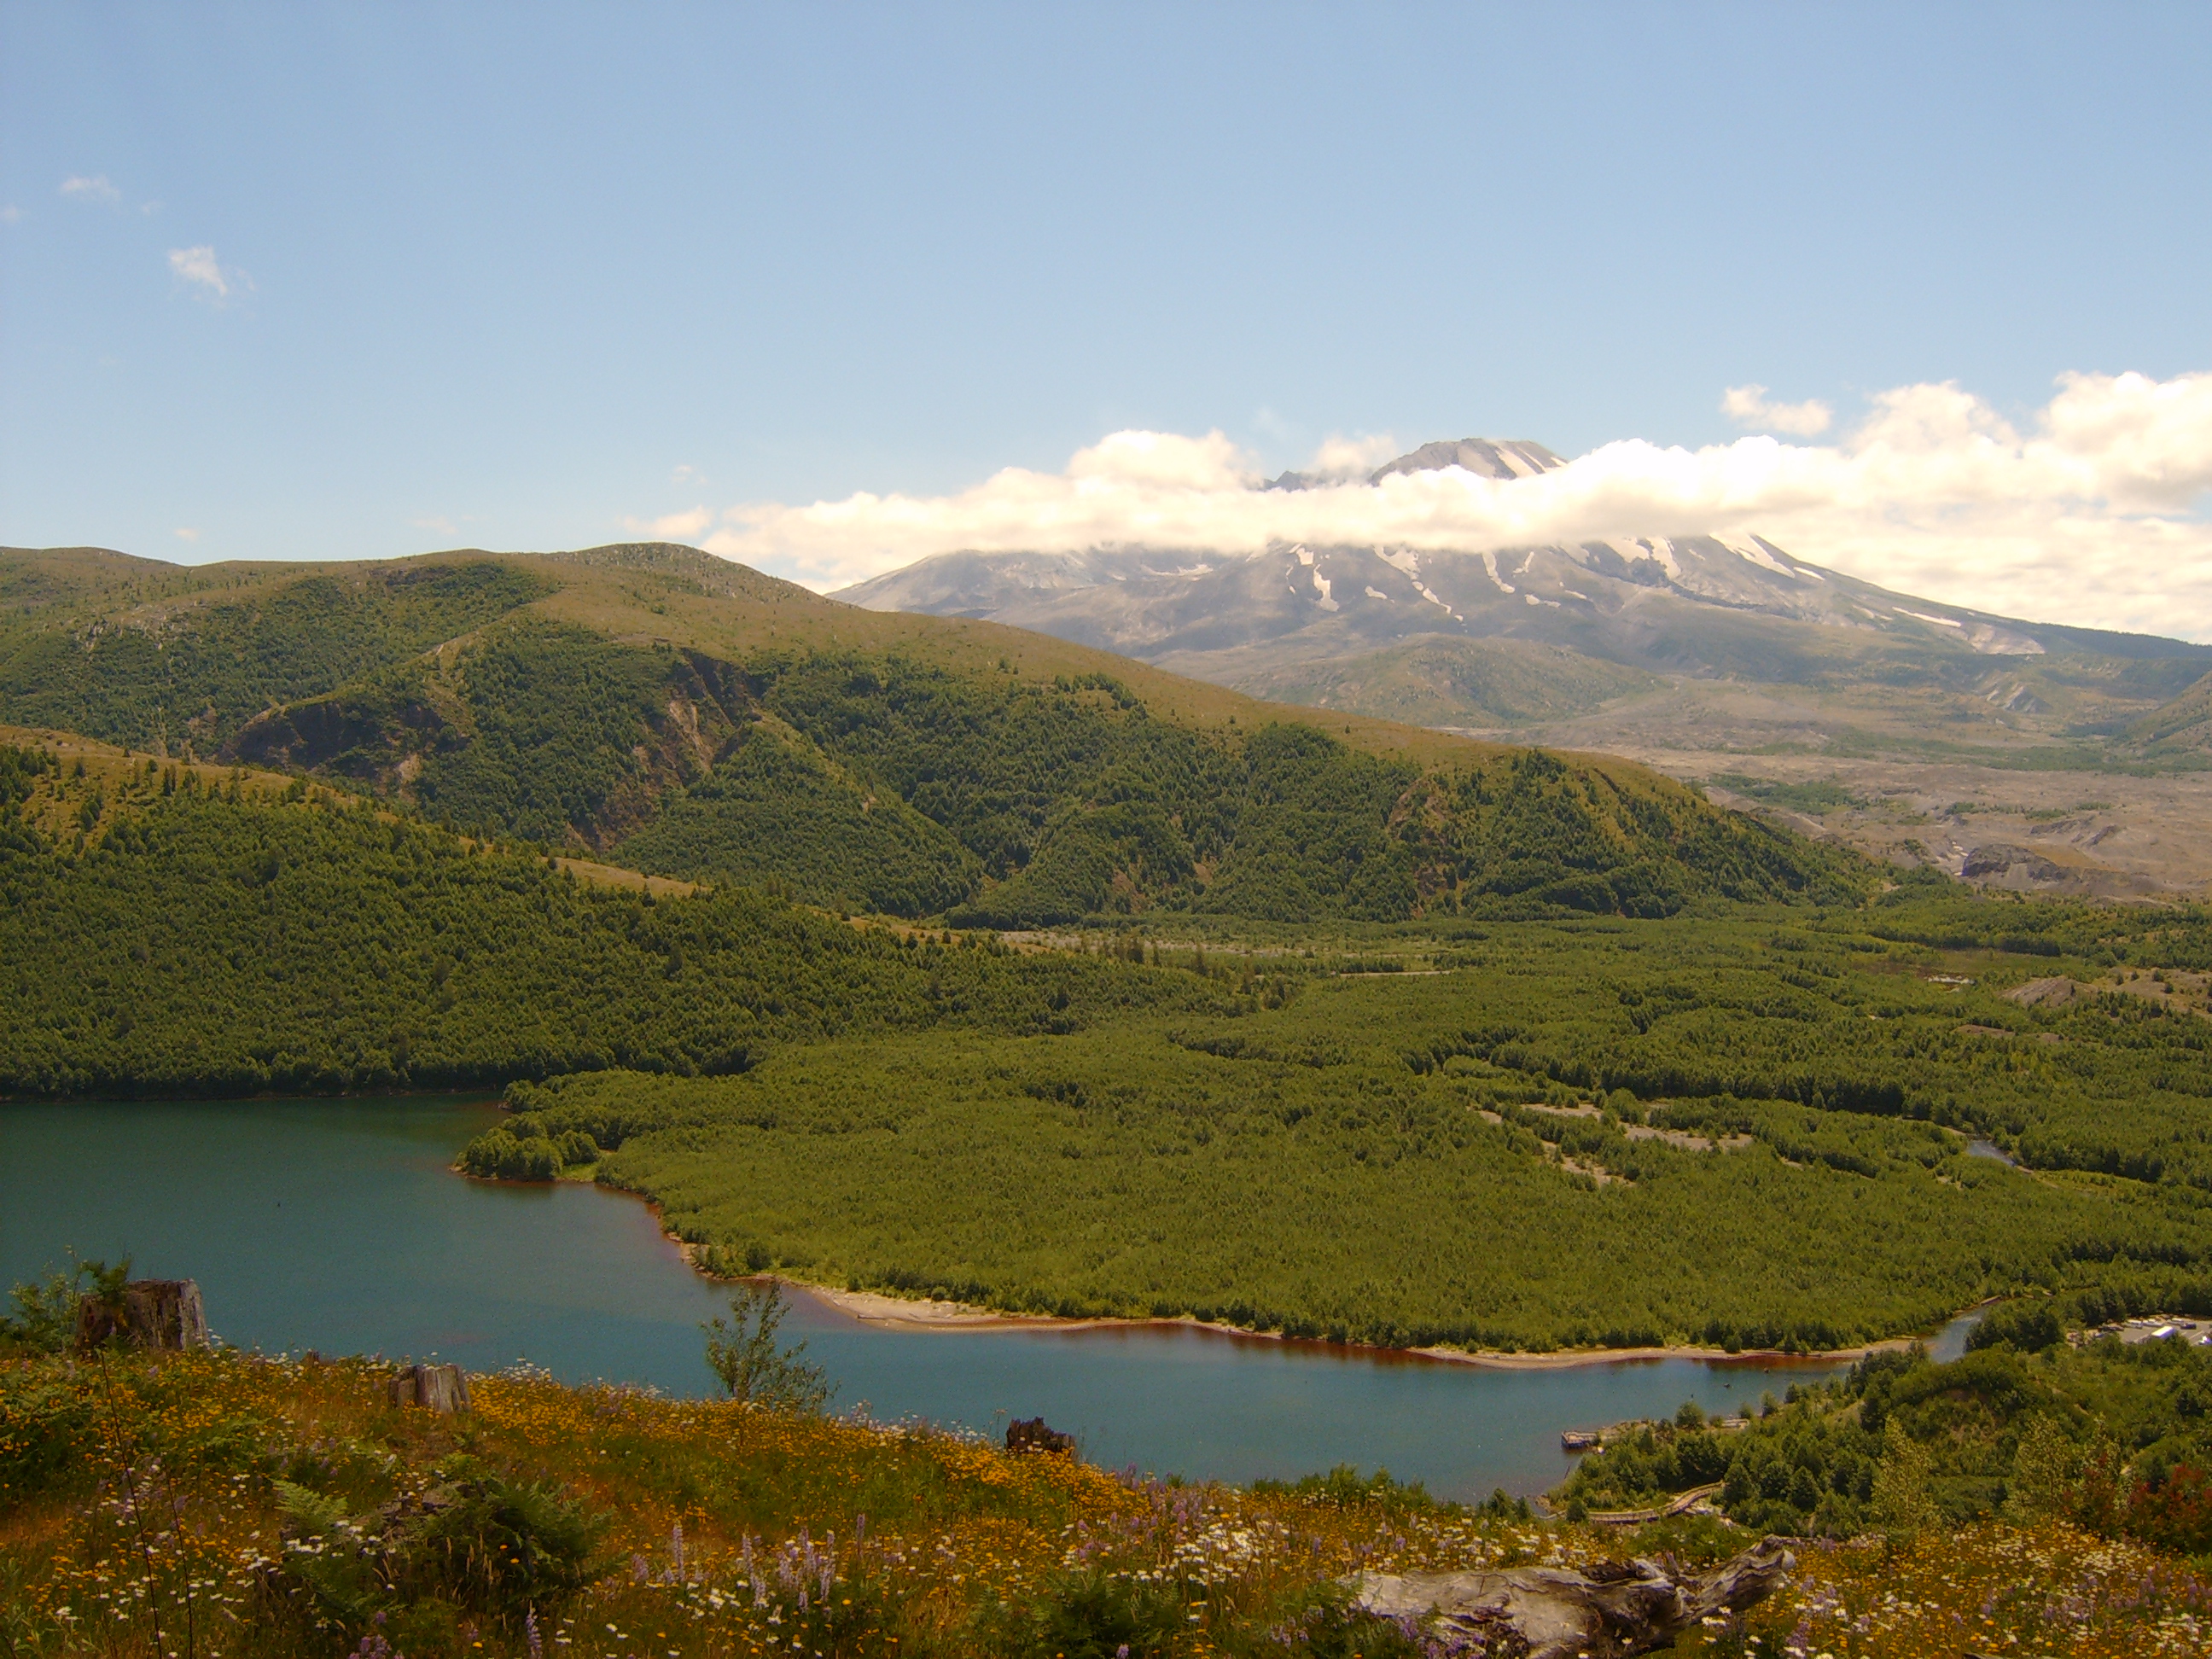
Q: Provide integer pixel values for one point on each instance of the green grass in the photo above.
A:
(1818, 795)
(1444, 681)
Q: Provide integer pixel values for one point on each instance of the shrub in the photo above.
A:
(45, 1313)
(500, 1547)
(479, 1544)
(2030, 1326)
(1098, 1616)
(45, 1427)
(2176, 1514)
(743, 1352)
(497, 1155)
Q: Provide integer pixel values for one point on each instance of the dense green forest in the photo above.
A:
(2111, 1435)
(204, 943)
(694, 720)
(1391, 1157)
(184, 668)
(885, 783)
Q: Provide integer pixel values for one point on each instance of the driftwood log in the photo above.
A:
(1030, 1434)
(434, 1388)
(154, 1313)
(1606, 1612)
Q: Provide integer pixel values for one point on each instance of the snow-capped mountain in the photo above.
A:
(1704, 605)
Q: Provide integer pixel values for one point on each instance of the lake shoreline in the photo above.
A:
(925, 1314)
(873, 1308)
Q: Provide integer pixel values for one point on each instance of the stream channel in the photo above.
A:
(338, 1226)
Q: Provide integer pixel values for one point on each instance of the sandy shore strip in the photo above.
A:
(903, 1313)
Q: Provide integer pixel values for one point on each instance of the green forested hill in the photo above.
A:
(203, 942)
(2181, 726)
(696, 720)
(155, 656)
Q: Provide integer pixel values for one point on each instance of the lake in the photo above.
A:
(338, 1226)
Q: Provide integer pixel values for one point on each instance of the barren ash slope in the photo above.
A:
(1711, 657)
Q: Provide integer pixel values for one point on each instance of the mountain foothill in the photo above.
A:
(666, 710)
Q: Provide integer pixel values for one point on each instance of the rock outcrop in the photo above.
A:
(2047, 993)
(1608, 1611)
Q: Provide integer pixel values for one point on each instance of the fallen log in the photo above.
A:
(1607, 1611)
(153, 1313)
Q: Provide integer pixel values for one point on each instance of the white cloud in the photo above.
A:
(672, 527)
(1353, 458)
(214, 281)
(686, 473)
(1747, 406)
(183, 534)
(94, 188)
(2089, 518)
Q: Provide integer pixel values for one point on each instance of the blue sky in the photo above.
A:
(343, 281)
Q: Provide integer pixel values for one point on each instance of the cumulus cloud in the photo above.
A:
(93, 188)
(213, 281)
(672, 527)
(1354, 457)
(2092, 515)
(1747, 406)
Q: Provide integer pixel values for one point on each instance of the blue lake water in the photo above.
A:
(339, 1225)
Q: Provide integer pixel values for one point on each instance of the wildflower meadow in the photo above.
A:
(215, 1505)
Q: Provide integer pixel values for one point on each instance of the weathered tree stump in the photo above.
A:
(1612, 1610)
(440, 1389)
(154, 1313)
(1030, 1434)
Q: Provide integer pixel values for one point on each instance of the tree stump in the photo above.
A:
(155, 1313)
(1612, 1610)
(441, 1388)
(1030, 1434)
